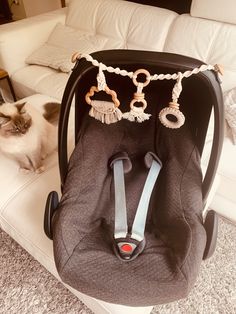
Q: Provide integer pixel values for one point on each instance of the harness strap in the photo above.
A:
(121, 226)
(127, 243)
(142, 210)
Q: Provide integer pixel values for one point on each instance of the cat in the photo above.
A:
(28, 135)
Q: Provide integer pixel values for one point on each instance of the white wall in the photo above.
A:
(27, 8)
(18, 11)
(40, 6)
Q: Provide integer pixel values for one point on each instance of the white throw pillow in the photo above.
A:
(61, 44)
(230, 111)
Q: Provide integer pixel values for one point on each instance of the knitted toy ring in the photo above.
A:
(176, 113)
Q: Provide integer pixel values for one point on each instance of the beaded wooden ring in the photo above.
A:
(172, 110)
(75, 56)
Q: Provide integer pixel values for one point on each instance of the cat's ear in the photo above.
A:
(4, 119)
(20, 107)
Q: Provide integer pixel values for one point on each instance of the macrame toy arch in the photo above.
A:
(108, 112)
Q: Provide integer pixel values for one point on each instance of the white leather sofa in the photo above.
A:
(207, 33)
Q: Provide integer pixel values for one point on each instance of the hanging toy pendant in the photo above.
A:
(173, 110)
(105, 111)
(137, 113)
(171, 117)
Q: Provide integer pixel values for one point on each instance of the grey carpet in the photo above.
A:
(26, 287)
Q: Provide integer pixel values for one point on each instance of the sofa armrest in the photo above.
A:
(19, 39)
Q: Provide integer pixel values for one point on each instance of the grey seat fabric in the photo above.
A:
(83, 225)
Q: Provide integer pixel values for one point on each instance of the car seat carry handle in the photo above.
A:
(128, 247)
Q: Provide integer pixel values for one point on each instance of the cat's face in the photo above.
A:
(14, 120)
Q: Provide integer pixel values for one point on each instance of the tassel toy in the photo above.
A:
(104, 111)
(137, 113)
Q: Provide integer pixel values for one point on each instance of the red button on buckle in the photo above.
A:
(126, 248)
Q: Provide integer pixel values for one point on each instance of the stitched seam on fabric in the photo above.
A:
(169, 32)
(72, 253)
(63, 242)
(128, 28)
(23, 187)
(62, 236)
(25, 239)
(183, 211)
(213, 43)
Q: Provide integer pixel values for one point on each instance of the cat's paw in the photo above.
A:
(43, 156)
(25, 170)
(40, 169)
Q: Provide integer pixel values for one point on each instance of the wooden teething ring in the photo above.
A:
(142, 100)
(108, 91)
(173, 110)
(139, 96)
(141, 71)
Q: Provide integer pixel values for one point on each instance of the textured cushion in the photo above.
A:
(209, 41)
(124, 24)
(47, 81)
(61, 44)
(230, 111)
(218, 10)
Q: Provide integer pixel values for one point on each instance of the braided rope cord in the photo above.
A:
(154, 77)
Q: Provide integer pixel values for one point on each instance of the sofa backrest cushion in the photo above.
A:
(218, 10)
(125, 24)
(210, 41)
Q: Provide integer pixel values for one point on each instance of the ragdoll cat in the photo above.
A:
(27, 135)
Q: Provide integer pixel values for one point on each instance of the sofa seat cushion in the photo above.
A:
(37, 79)
(225, 198)
(230, 112)
(22, 205)
(23, 196)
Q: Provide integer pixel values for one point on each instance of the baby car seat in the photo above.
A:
(128, 228)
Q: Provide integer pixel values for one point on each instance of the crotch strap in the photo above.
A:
(129, 245)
